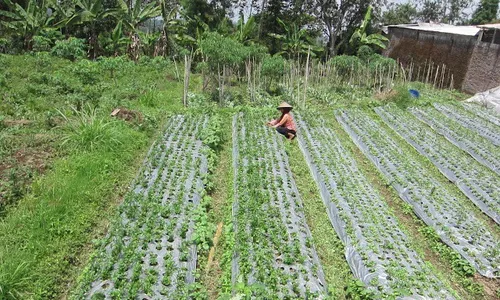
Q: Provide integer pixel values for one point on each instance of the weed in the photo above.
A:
(88, 131)
(12, 283)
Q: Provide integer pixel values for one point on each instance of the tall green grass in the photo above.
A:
(42, 235)
(87, 131)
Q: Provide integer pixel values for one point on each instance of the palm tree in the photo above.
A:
(132, 16)
(360, 37)
(29, 21)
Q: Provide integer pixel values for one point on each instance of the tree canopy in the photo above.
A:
(485, 13)
(290, 28)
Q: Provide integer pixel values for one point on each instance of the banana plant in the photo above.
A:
(115, 42)
(295, 41)
(246, 31)
(171, 25)
(132, 16)
(29, 21)
(89, 13)
(359, 37)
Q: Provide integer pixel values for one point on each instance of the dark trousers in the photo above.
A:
(285, 131)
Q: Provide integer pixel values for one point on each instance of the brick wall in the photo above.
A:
(422, 47)
(484, 68)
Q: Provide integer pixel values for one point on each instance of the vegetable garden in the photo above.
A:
(148, 250)
(154, 245)
(437, 205)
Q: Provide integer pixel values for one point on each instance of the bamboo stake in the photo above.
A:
(436, 76)
(307, 76)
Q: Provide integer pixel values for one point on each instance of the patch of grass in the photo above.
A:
(88, 131)
(328, 246)
(46, 230)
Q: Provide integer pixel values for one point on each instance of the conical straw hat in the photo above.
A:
(285, 105)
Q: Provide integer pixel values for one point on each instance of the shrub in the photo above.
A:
(4, 43)
(2, 124)
(113, 64)
(41, 43)
(3, 81)
(71, 48)
(198, 100)
(364, 52)
(273, 67)
(382, 63)
(345, 64)
(87, 71)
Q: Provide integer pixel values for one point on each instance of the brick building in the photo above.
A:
(470, 53)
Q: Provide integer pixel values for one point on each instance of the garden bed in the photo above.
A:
(477, 146)
(149, 251)
(436, 205)
(478, 183)
(377, 249)
(272, 253)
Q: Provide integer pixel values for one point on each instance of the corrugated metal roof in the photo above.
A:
(444, 28)
(490, 26)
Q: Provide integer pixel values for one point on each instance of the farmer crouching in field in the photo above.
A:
(284, 124)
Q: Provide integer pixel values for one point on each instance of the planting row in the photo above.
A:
(477, 146)
(485, 113)
(476, 182)
(272, 254)
(469, 120)
(149, 252)
(438, 206)
(377, 249)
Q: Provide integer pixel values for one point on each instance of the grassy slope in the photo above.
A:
(46, 236)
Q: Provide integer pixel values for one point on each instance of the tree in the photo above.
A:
(454, 11)
(91, 14)
(485, 13)
(169, 10)
(246, 31)
(271, 11)
(400, 14)
(431, 11)
(447, 11)
(339, 17)
(203, 11)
